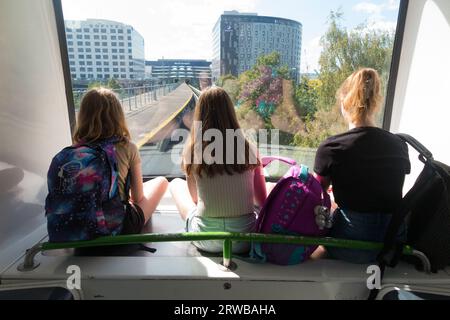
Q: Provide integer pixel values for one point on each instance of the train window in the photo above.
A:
(281, 63)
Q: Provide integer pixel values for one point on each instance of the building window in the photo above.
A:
(114, 44)
(96, 37)
(89, 63)
(79, 36)
(130, 57)
(120, 31)
(87, 37)
(99, 69)
(129, 38)
(82, 69)
(82, 76)
(87, 43)
(115, 69)
(122, 50)
(105, 50)
(70, 49)
(88, 56)
(116, 76)
(123, 70)
(81, 63)
(97, 50)
(69, 36)
(123, 76)
(71, 56)
(122, 57)
(104, 38)
(115, 63)
(113, 37)
(129, 31)
(80, 43)
(105, 63)
(98, 63)
(105, 56)
(114, 50)
(120, 37)
(88, 50)
(122, 44)
(81, 56)
(106, 69)
(122, 63)
(96, 30)
(107, 76)
(112, 31)
(72, 63)
(114, 57)
(129, 45)
(97, 44)
(103, 30)
(104, 44)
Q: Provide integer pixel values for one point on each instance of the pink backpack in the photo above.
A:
(296, 206)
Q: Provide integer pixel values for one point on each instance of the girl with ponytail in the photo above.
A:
(366, 167)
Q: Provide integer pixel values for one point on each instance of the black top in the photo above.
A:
(367, 168)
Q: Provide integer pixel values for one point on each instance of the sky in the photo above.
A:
(182, 29)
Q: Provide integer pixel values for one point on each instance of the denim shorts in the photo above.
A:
(353, 225)
(244, 224)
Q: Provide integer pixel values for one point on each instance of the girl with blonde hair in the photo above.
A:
(366, 166)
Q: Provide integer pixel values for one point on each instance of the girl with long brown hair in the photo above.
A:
(224, 180)
(101, 117)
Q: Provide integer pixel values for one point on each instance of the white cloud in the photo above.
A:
(173, 29)
(372, 8)
(368, 7)
(311, 55)
(376, 19)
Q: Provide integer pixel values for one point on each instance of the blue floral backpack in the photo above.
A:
(83, 202)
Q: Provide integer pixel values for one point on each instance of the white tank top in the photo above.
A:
(225, 196)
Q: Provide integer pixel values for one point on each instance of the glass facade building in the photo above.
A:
(240, 38)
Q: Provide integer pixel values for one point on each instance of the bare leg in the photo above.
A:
(183, 200)
(269, 187)
(153, 192)
(320, 253)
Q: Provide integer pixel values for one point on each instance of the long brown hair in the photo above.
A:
(360, 95)
(101, 117)
(215, 110)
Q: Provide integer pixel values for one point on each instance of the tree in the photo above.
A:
(306, 96)
(347, 51)
(343, 53)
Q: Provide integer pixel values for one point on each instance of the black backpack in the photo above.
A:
(426, 211)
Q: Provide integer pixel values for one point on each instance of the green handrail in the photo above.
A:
(227, 237)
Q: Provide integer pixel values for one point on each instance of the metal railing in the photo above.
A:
(134, 98)
(228, 238)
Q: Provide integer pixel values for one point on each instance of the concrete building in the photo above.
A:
(103, 49)
(240, 38)
(198, 71)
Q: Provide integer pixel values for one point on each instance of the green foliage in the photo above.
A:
(347, 51)
(306, 96)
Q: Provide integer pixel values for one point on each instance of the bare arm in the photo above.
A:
(136, 185)
(324, 181)
(192, 185)
(260, 186)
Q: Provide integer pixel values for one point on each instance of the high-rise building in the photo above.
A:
(240, 38)
(103, 49)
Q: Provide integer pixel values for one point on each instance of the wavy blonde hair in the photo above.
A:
(101, 117)
(360, 95)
